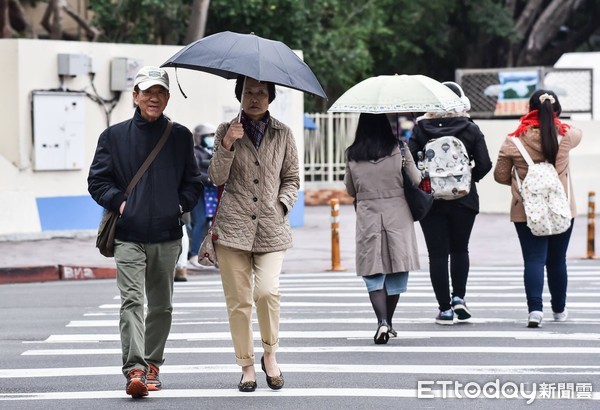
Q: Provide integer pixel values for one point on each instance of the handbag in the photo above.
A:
(106, 233)
(105, 240)
(207, 255)
(419, 201)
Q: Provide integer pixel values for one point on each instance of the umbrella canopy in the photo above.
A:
(396, 94)
(230, 54)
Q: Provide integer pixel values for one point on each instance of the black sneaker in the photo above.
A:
(460, 308)
(136, 383)
(445, 317)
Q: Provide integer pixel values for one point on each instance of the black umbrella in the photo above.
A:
(229, 54)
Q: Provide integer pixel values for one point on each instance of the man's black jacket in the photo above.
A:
(170, 186)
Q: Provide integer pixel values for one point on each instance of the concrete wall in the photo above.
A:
(34, 201)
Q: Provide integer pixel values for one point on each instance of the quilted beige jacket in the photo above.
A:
(260, 187)
(509, 157)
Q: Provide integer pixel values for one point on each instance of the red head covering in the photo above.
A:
(532, 119)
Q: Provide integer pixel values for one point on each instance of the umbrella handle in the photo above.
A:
(242, 100)
(179, 85)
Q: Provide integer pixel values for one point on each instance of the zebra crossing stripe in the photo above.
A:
(317, 368)
(345, 334)
(285, 304)
(114, 323)
(213, 393)
(260, 392)
(339, 349)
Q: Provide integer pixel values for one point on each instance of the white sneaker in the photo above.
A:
(560, 317)
(193, 263)
(535, 319)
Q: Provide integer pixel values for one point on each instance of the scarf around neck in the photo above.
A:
(532, 119)
(255, 129)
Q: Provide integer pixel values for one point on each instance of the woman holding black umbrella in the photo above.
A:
(256, 160)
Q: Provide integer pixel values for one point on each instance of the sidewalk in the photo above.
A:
(72, 255)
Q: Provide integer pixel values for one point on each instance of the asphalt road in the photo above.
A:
(59, 348)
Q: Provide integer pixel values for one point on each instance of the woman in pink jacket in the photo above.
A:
(545, 138)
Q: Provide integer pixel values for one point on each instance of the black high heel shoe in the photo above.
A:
(248, 386)
(275, 382)
(382, 336)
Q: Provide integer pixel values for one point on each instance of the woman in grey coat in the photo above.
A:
(386, 244)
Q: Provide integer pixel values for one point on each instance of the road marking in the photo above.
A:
(349, 334)
(260, 392)
(411, 293)
(315, 368)
(284, 304)
(339, 349)
(114, 323)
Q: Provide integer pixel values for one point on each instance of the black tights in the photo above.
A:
(384, 305)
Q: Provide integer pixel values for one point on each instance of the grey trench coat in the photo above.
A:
(385, 232)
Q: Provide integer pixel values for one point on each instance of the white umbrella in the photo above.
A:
(397, 94)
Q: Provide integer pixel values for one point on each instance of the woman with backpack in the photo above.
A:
(447, 227)
(545, 139)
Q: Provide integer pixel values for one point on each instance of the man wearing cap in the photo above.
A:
(149, 230)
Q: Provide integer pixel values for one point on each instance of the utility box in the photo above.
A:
(58, 131)
(73, 64)
(122, 73)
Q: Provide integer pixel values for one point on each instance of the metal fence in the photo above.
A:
(504, 92)
(324, 146)
(325, 143)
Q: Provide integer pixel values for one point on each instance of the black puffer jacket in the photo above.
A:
(169, 187)
(469, 133)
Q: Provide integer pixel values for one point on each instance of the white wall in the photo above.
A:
(32, 65)
(585, 60)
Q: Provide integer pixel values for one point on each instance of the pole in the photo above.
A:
(591, 231)
(335, 236)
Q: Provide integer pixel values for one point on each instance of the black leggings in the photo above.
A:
(447, 229)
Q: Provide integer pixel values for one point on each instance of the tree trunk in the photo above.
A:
(91, 32)
(52, 20)
(544, 30)
(523, 26)
(18, 20)
(6, 30)
(574, 37)
(198, 17)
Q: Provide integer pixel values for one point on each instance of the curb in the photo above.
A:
(28, 274)
(50, 273)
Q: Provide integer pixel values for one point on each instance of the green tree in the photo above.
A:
(142, 21)
(346, 41)
(333, 34)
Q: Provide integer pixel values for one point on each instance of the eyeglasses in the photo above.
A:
(158, 93)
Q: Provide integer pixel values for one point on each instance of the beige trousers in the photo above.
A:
(249, 277)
